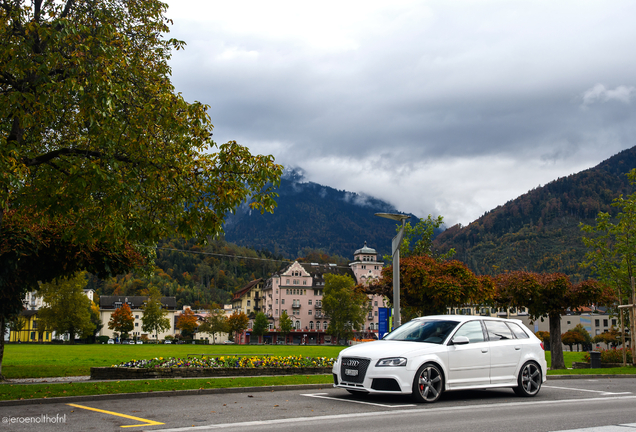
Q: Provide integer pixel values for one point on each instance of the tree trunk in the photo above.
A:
(632, 322)
(555, 342)
(2, 329)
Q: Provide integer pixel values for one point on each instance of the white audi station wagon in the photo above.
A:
(433, 354)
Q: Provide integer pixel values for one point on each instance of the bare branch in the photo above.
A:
(46, 158)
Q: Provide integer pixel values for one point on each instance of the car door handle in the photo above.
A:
(484, 350)
(517, 348)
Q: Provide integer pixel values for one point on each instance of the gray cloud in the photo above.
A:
(437, 107)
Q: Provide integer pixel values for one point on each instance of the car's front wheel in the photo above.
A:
(428, 383)
(529, 380)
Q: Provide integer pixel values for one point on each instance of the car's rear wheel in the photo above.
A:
(428, 383)
(529, 380)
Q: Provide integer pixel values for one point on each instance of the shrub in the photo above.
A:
(613, 355)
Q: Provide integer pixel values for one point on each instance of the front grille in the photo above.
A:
(353, 370)
(385, 384)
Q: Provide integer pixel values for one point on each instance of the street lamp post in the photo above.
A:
(395, 246)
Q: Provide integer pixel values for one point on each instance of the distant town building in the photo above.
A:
(298, 290)
(109, 304)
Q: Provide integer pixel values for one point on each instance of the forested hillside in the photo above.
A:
(539, 231)
(199, 276)
(313, 216)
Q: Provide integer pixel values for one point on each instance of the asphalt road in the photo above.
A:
(602, 404)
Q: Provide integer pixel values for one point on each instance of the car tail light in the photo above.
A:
(542, 347)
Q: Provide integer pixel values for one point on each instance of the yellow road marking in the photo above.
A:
(145, 421)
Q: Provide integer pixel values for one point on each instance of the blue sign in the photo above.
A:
(383, 321)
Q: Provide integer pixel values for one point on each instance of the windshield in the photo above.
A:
(430, 331)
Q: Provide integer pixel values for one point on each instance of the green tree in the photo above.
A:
(122, 321)
(16, 324)
(285, 325)
(67, 309)
(612, 254)
(237, 323)
(549, 295)
(94, 137)
(261, 325)
(429, 286)
(346, 307)
(418, 239)
(187, 323)
(155, 318)
(215, 323)
(95, 319)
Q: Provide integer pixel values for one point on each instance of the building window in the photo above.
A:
(613, 321)
(376, 303)
(597, 323)
(248, 303)
(276, 301)
(309, 302)
(282, 301)
(309, 312)
(136, 316)
(136, 324)
(311, 325)
(317, 325)
(304, 282)
(297, 325)
(605, 323)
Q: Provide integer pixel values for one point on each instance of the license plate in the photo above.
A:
(351, 372)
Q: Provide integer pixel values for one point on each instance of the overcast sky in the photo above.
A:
(442, 107)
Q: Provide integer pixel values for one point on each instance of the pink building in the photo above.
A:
(298, 290)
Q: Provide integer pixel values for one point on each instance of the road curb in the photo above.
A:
(195, 392)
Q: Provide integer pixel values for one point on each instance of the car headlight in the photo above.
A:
(390, 362)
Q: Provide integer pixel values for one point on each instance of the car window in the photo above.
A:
(518, 331)
(430, 331)
(498, 330)
(472, 330)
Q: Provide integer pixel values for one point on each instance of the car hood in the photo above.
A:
(389, 348)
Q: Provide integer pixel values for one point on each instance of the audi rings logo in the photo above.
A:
(352, 363)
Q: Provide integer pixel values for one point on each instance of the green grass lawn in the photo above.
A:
(40, 361)
(47, 360)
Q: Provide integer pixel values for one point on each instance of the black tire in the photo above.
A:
(428, 383)
(529, 380)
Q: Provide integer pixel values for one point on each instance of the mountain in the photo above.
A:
(312, 216)
(539, 231)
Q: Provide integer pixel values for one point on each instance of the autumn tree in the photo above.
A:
(155, 318)
(215, 323)
(430, 287)
(346, 306)
(609, 338)
(571, 338)
(187, 323)
(94, 137)
(67, 309)
(549, 295)
(237, 323)
(612, 254)
(122, 321)
(285, 325)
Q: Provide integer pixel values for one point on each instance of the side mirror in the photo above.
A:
(460, 340)
(384, 335)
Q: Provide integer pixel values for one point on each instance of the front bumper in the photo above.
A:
(397, 379)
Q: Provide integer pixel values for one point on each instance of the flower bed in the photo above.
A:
(207, 366)
(231, 362)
